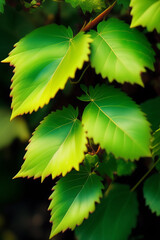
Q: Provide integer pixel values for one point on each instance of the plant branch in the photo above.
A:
(99, 18)
(145, 175)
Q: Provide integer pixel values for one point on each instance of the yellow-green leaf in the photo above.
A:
(56, 147)
(44, 60)
(146, 13)
(114, 121)
(120, 53)
(73, 199)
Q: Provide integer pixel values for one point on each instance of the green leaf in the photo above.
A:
(73, 199)
(125, 168)
(108, 166)
(11, 130)
(156, 148)
(151, 108)
(90, 161)
(87, 5)
(156, 144)
(114, 121)
(146, 14)
(151, 192)
(2, 2)
(56, 147)
(125, 3)
(44, 60)
(120, 53)
(114, 218)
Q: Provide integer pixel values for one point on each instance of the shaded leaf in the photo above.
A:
(125, 168)
(120, 53)
(125, 3)
(151, 108)
(90, 161)
(11, 130)
(151, 192)
(2, 2)
(156, 148)
(73, 199)
(87, 5)
(114, 218)
(114, 121)
(107, 166)
(156, 144)
(146, 13)
(56, 147)
(44, 60)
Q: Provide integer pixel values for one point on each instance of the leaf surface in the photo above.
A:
(73, 199)
(120, 53)
(56, 147)
(114, 217)
(156, 144)
(146, 13)
(2, 2)
(151, 192)
(114, 121)
(44, 60)
(87, 5)
(151, 108)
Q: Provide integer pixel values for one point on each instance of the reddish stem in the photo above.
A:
(99, 18)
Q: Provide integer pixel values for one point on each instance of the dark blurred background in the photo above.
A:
(24, 202)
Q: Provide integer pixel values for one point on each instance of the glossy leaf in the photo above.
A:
(2, 2)
(114, 121)
(73, 199)
(11, 130)
(120, 53)
(56, 147)
(87, 5)
(151, 108)
(151, 192)
(146, 14)
(114, 218)
(44, 60)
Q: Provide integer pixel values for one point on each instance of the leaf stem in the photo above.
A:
(81, 75)
(99, 18)
(145, 175)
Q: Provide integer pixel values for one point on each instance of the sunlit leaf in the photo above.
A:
(120, 53)
(114, 218)
(146, 13)
(114, 121)
(73, 199)
(151, 192)
(151, 108)
(11, 130)
(56, 147)
(44, 60)
(87, 5)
